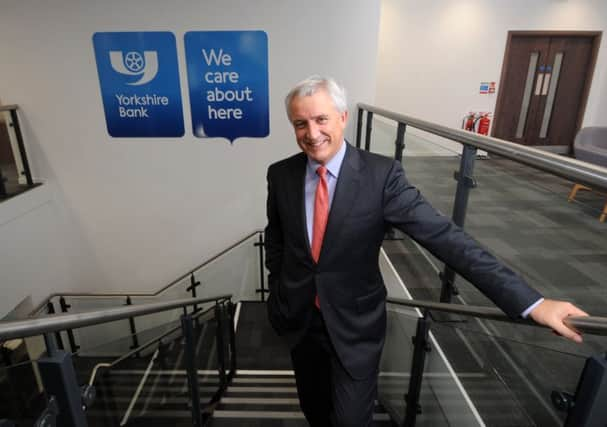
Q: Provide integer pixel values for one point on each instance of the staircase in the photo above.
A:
(152, 390)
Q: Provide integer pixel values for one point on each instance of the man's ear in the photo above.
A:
(344, 117)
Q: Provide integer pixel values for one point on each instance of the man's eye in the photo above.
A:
(322, 120)
(299, 125)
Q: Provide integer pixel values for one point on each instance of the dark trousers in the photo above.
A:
(328, 395)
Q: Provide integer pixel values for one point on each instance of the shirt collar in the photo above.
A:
(333, 166)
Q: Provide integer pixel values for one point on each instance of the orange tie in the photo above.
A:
(321, 216)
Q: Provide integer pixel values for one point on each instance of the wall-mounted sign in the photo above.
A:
(487, 88)
(228, 82)
(139, 79)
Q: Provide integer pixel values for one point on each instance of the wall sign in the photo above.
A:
(228, 83)
(139, 80)
(487, 88)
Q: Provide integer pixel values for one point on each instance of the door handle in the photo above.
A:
(546, 84)
(538, 84)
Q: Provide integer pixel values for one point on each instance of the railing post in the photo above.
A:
(50, 344)
(224, 316)
(221, 361)
(26, 167)
(134, 337)
(187, 326)
(368, 130)
(231, 309)
(59, 379)
(262, 289)
(70, 333)
(589, 408)
(465, 182)
(193, 285)
(50, 309)
(420, 348)
(399, 144)
(359, 126)
(2, 187)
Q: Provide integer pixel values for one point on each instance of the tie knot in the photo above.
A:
(321, 171)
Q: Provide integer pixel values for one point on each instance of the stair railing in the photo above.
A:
(585, 409)
(57, 370)
(574, 170)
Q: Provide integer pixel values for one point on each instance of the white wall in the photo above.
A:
(38, 247)
(433, 55)
(134, 214)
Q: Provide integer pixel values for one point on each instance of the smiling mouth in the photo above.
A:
(316, 144)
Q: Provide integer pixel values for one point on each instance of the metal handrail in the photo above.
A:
(585, 324)
(46, 324)
(42, 304)
(565, 167)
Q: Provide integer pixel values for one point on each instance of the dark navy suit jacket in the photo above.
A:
(372, 193)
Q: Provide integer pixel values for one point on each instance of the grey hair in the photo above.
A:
(313, 84)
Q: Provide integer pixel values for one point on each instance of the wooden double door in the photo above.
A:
(544, 86)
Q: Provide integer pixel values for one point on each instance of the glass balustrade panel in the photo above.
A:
(522, 216)
(152, 385)
(443, 399)
(508, 377)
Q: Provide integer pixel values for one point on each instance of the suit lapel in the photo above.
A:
(346, 192)
(297, 200)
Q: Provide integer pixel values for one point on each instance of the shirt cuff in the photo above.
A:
(531, 307)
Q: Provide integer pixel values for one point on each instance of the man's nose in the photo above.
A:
(313, 131)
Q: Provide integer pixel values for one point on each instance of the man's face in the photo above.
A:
(319, 127)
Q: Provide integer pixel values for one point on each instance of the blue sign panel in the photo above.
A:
(228, 80)
(139, 80)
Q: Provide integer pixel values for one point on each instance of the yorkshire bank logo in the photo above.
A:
(139, 82)
(134, 64)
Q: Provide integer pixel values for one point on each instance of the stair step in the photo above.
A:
(238, 414)
(281, 415)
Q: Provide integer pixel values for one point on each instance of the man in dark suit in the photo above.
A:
(328, 208)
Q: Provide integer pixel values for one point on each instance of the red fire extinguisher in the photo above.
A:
(483, 124)
(469, 122)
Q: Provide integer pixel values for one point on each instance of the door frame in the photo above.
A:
(596, 42)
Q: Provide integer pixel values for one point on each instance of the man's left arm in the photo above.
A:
(406, 209)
